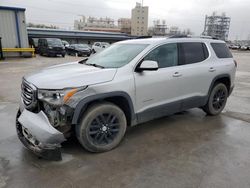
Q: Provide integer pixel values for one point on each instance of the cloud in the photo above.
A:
(182, 13)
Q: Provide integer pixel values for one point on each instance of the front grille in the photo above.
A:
(28, 94)
(57, 49)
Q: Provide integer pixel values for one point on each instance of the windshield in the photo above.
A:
(117, 55)
(57, 42)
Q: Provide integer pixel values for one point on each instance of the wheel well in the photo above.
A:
(224, 80)
(120, 101)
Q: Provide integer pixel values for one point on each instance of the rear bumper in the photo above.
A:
(36, 134)
(61, 52)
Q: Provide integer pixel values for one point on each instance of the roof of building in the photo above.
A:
(12, 8)
(59, 33)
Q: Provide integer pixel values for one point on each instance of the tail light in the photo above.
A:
(235, 63)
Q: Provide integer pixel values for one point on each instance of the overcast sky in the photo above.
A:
(182, 13)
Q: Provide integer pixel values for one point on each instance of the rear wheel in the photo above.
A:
(217, 100)
(102, 127)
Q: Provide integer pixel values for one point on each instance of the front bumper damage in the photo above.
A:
(38, 135)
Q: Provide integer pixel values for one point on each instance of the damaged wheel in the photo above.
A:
(102, 127)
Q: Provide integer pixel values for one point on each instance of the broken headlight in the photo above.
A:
(58, 97)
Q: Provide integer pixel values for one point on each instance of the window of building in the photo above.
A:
(165, 55)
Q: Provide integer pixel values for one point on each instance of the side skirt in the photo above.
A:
(170, 108)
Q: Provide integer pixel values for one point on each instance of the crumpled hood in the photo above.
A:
(69, 75)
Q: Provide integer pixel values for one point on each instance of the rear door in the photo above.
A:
(197, 73)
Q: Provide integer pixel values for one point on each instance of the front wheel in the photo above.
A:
(217, 100)
(102, 127)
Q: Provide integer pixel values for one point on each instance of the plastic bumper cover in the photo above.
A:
(38, 135)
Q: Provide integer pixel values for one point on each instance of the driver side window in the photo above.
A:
(165, 55)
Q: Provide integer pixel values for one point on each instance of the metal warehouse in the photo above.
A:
(13, 32)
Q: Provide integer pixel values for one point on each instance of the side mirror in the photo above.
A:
(147, 65)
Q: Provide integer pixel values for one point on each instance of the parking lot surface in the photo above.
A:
(188, 149)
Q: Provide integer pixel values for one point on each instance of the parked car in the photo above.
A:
(79, 50)
(65, 43)
(51, 47)
(234, 47)
(244, 47)
(99, 46)
(129, 83)
(33, 42)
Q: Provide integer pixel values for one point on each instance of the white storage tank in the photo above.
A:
(13, 30)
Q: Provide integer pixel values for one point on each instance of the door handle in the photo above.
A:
(177, 74)
(212, 69)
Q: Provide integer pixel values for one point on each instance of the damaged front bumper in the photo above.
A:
(38, 135)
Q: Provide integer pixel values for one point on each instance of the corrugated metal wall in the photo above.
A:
(9, 30)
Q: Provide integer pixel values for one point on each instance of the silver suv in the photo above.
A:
(129, 83)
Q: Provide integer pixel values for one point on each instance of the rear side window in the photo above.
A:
(221, 50)
(192, 52)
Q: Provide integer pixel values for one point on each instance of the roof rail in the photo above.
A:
(208, 37)
(179, 36)
(191, 36)
(143, 37)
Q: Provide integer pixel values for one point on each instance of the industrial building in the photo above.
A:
(13, 32)
(217, 26)
(159, 28)
(139, 20)
(96, 24)
(124, 24)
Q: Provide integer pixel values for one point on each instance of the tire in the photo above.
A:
(102, 127)
(63, 55)
(217, 100)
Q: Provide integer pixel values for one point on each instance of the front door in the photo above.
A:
(157, 92)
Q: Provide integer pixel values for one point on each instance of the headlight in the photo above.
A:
(50, 47)
(58, 97)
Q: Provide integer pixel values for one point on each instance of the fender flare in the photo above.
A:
(82, 105)
(214, 81)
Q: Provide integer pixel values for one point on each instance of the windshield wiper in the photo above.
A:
(83, 61)
(95, 65)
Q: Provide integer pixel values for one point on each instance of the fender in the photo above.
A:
(82, 105)
(215, 79)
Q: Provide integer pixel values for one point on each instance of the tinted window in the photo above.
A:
(221, 50)
(53, 42)
(192, 52)
(165, 55)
